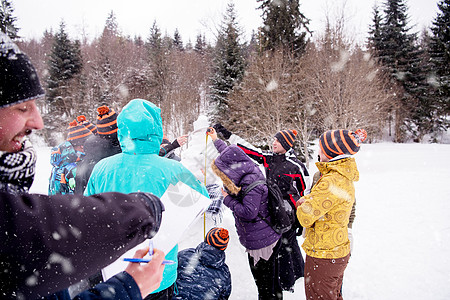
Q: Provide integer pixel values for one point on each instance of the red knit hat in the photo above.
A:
(106, 121)
(77, 133)
(82, 119)
(339, 142)
(217, 237)
(286, 138)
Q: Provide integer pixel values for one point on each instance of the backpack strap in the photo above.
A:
(251, 186)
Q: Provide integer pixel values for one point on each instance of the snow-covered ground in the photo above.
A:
(401, 231)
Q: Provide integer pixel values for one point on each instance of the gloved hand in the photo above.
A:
(155, 205)
(225, 132)
(72, 183)
(299, 202)
(350, 238)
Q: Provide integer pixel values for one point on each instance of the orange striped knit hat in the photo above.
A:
(218, 237)
(106, 121)
(82, 119)
(339, 142)
(286, 138)
(77, 133)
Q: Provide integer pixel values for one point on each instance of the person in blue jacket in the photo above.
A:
(140, 168)
(65, 159)
(202, 271)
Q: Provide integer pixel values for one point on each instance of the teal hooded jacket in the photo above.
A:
(140, 168)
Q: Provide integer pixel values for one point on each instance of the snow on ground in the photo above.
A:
(401, 231)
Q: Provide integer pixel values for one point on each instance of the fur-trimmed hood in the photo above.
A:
(228, 184)
(232, 166)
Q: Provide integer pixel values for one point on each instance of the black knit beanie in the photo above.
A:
(18, 78)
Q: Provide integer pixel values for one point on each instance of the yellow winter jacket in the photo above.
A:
(326, 210)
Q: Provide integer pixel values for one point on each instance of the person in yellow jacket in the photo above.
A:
(325, 212)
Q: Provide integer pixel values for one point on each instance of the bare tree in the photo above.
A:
(345, 85)
(266, 100)
(111, 60)
(188, 76)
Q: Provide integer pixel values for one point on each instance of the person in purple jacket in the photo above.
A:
(237, 171)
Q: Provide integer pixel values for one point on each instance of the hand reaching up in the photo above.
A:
(212, 133)
(182, 140)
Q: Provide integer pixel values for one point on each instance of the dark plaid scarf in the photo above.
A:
(17, 169)
(215, 208)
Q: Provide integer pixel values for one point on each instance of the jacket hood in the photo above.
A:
(235, 164)
(346, 167)
(210, 256)
(140, 127)
(227, 183)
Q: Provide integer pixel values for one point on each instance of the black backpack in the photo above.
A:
(282, 216)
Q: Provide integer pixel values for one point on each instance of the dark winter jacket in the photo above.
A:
(50, 242)
(254, 233)
(96, 148)
(121, 286)
(285, 170)
(203, 274)
(293, 179)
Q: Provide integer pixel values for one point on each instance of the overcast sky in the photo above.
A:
(135, 17)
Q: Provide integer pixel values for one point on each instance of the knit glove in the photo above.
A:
(225, 132)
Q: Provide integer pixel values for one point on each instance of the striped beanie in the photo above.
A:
(217, 237)
(106, 121)
(339, 142)
(286, 138)
(77, 133)
(82, 119)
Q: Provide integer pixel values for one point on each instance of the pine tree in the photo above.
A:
(111, 27)
(397, 50)
(426, 117)
(229, 65)
(64, 66)
(284, 26)
(7, 20)
(158, 64)
(374, 40)
(65, 62)
(189, 46)
(439, 49)
(103, 66)
(200, 44)
(177, 41)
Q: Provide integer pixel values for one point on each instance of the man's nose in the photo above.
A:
(35, 120)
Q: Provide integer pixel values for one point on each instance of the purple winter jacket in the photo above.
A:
(237, 166)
